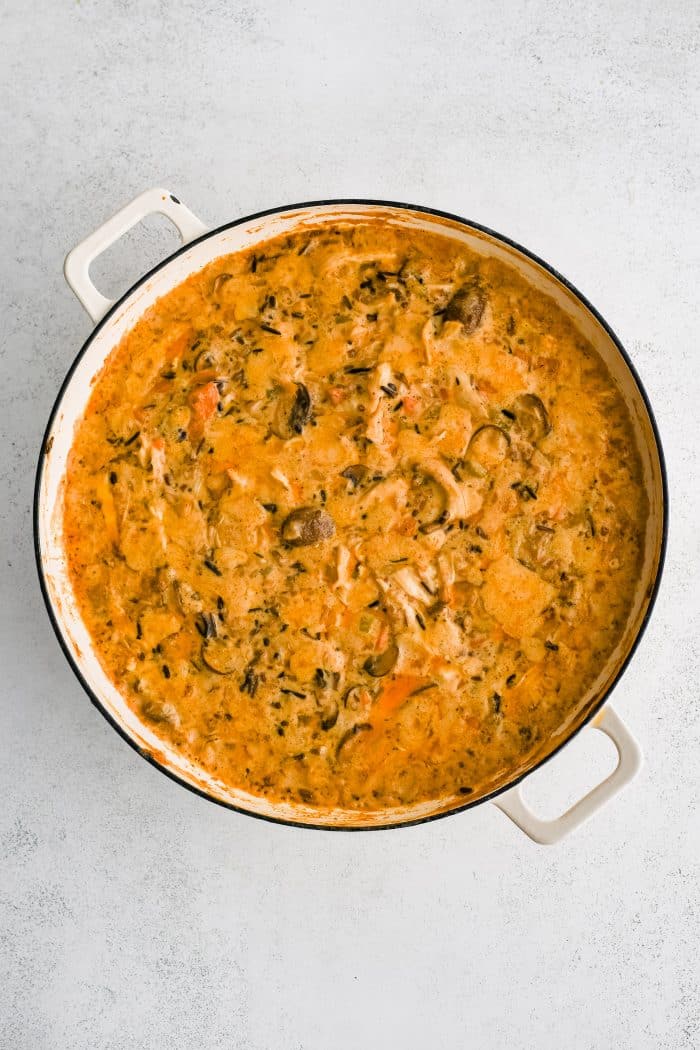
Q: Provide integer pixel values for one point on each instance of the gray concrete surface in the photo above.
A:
(135, 915)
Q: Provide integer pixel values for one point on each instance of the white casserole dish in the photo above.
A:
(113, 319)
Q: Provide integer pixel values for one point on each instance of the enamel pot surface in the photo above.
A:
(114, 319)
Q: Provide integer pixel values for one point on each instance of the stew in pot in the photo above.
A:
(355, 518)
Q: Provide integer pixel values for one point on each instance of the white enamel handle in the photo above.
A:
(547, 832)
(77, 265)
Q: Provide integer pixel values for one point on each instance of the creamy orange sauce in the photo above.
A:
(354, 519)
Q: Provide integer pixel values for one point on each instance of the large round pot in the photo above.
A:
(114, 319)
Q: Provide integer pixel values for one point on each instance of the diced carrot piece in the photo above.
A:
(204, 401)
(337, 394)
(410, 404)
(393, 695)
(179, 345)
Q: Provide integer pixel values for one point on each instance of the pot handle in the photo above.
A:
(77, 265)
(547, 832)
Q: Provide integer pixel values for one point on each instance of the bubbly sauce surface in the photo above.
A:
(355, 519)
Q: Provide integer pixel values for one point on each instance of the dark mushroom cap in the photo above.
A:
(220, 655)
(301, 410)
(381, 663)
(329, 715)
(292, 413)
(305, 526)
(488, 445)
(467, 306)
(355, 473)
(531, 416)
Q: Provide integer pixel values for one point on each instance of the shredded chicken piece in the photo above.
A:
(277, 474)
(238, 478)
(411, 584)
(378, 403)
(463, 501)
(392, 493)
(446, 568)
(158, 460)
(344, 564)
(429, 340)
(466, 394)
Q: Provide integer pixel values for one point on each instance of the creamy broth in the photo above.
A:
(354, 519)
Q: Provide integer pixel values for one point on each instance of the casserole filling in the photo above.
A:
(355, 519)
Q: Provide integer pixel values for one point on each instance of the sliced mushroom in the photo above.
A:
(411, 584)
(381, 663)
(353, 697)
(220, 281)
(301, 410)
(157, 711)
(467, 306)
(488, 446)
(428, 501)
(221, 655)
(329, 715)
(531, 417)
(355, 474)
(361, 727)
(306, 526)
(204, 359)
(211, 353)
(292, 412)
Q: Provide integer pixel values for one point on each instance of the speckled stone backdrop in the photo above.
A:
(134, 914)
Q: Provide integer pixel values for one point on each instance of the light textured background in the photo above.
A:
(135, 915)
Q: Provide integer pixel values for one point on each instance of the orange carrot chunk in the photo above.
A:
(393, 695)
(204, 401)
